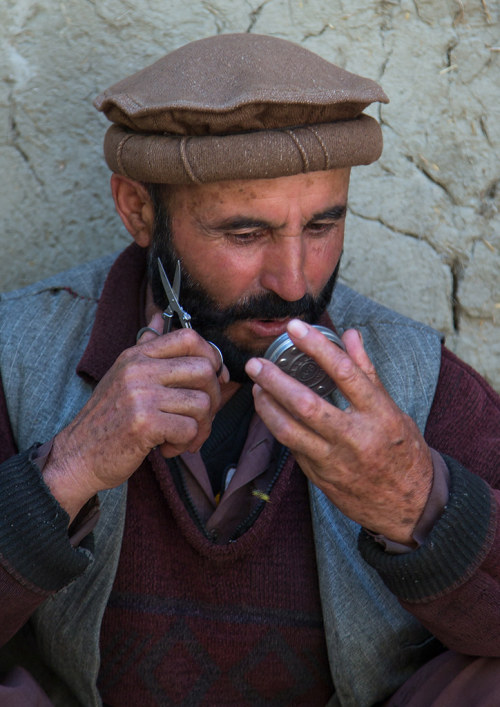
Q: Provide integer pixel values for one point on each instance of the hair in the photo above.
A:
(159, 195)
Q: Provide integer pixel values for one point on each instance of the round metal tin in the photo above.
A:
(299, 365)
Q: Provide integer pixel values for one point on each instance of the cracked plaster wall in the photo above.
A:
(423, 226)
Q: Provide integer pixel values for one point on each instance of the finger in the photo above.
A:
(224, 375)
(137, 377)
(191, 374)
(180, 433)
(183, 401)
(357, 386)
(182, 418)
(185, 433)
(184, 342)
(287, 429)
(301, 403)
(353, 341)
(183, 372)
(194, 404)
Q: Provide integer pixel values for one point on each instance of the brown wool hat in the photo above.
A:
(239, 106)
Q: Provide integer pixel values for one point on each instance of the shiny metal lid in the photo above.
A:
(299, 365)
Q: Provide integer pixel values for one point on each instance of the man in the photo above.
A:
(229, 572)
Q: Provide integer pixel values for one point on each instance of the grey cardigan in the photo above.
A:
(374, 645)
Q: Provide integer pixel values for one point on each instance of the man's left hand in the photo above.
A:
(371, 459)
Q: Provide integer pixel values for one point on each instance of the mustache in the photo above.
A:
(209, 315)
(265, 306)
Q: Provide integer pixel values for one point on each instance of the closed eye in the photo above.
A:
(243, 237)
(323, 223)
(320, 228)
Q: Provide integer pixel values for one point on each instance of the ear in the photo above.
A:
(135, 208)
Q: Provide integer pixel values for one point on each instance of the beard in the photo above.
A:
(211, 320)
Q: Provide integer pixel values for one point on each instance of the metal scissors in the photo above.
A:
(174, 307)
(172, 293)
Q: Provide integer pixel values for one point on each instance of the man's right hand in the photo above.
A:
(163, 392)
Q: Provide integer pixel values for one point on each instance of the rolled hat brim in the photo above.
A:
(260, 154)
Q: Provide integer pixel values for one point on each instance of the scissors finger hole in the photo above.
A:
(144, 330)
(221, 364)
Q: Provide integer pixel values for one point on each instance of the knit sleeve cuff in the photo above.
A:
(452, 551)
(34, 541)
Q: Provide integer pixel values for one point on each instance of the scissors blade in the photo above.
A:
(168, 314)
(174, 305)
(177, 280)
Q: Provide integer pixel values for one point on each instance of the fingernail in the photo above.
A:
(297, 328)
(253, 367)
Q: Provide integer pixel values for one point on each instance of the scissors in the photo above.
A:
(174, 306)
(172, 293)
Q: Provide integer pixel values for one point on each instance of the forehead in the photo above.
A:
(315, 190)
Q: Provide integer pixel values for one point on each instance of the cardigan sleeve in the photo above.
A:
(452, 582)
(36, 555)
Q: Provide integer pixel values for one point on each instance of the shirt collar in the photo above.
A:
(120, 313)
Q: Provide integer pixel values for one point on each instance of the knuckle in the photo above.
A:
(366, 446)
(181, 431)
(133, 400)
(205, 367)
(370, 369)
(308, 405)
(125, 359)
(203, 404)
(281, 431)
(140, 420)
(393, 420)
(129, 373)
(190, 338)
(126, 354)
(129, 363)
(192, 428)
(346, 370)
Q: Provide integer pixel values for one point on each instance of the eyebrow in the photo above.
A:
(334, 213)
(239, 223)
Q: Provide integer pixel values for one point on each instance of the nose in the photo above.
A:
(283, 268)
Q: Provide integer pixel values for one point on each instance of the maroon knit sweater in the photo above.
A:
(192, 622)
(464, 423)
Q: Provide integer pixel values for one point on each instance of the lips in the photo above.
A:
(265, 328)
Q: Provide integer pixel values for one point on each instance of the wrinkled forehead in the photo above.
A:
(266, 199)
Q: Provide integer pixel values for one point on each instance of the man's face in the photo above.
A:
(254, 254)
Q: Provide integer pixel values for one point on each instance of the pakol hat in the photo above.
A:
(239, 106)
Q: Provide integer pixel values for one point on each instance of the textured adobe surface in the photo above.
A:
(423, 230)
